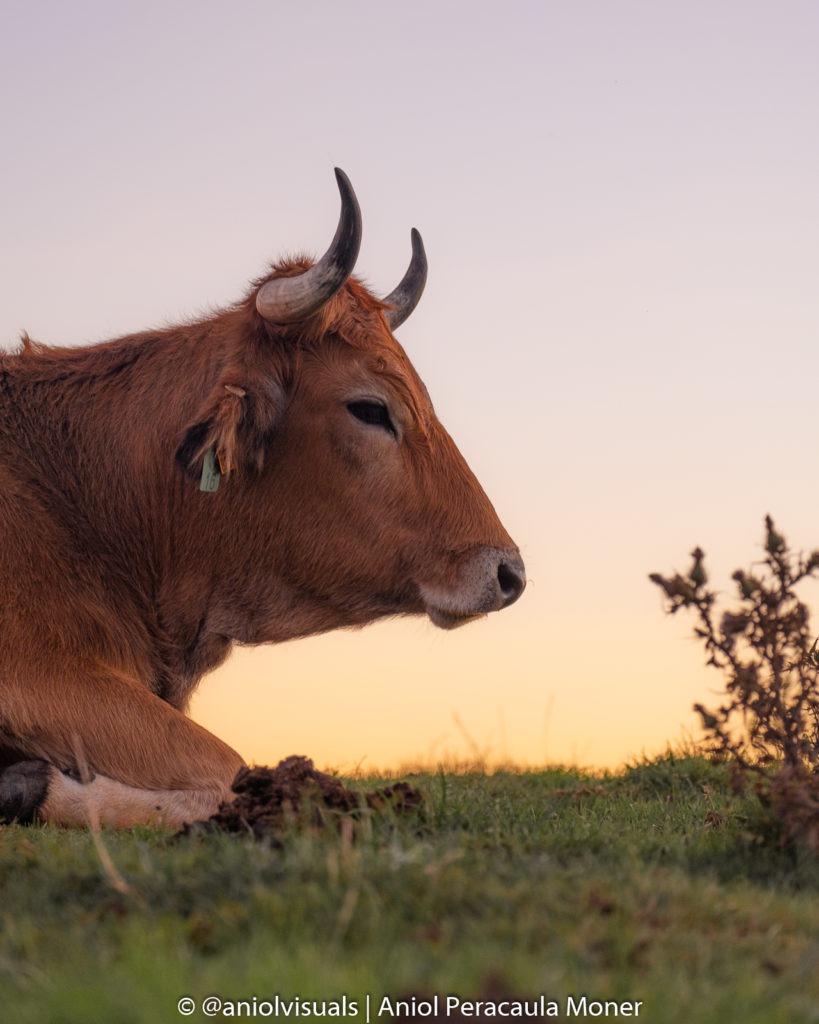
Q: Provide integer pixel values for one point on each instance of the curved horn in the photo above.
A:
(404, 297)
(287, 300)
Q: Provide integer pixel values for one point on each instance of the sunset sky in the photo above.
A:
(620, 205)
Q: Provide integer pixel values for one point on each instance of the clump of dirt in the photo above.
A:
(268, 798)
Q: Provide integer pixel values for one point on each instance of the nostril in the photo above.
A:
(512, 581)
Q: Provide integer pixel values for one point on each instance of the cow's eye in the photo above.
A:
(373, 413)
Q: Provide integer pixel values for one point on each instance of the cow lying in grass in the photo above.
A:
(274, 471)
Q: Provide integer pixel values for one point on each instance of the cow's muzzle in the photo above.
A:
(486, 581)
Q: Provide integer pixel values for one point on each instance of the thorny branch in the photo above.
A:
(769, 720)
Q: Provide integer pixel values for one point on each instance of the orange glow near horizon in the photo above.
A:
(401, 694)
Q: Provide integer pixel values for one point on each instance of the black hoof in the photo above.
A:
(23, 788)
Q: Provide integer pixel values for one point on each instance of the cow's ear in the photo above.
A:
(234, 426)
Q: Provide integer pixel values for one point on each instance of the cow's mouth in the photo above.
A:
(451, 620)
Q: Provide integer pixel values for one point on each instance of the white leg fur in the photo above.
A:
(119, 806)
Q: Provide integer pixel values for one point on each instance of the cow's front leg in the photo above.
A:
(108, 802)
(143, 761)
(37, 791)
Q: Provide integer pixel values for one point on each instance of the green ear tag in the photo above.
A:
(210, 473)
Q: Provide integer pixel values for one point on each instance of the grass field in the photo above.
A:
(648, 891)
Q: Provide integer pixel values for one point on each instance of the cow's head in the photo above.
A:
(356, 500)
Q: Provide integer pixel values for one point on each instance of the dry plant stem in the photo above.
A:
(115, 879)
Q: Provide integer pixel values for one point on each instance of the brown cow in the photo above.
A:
(271, 472)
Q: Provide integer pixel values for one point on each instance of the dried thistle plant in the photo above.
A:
(768, 722)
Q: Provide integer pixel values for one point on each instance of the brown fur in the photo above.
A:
(123, 583)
